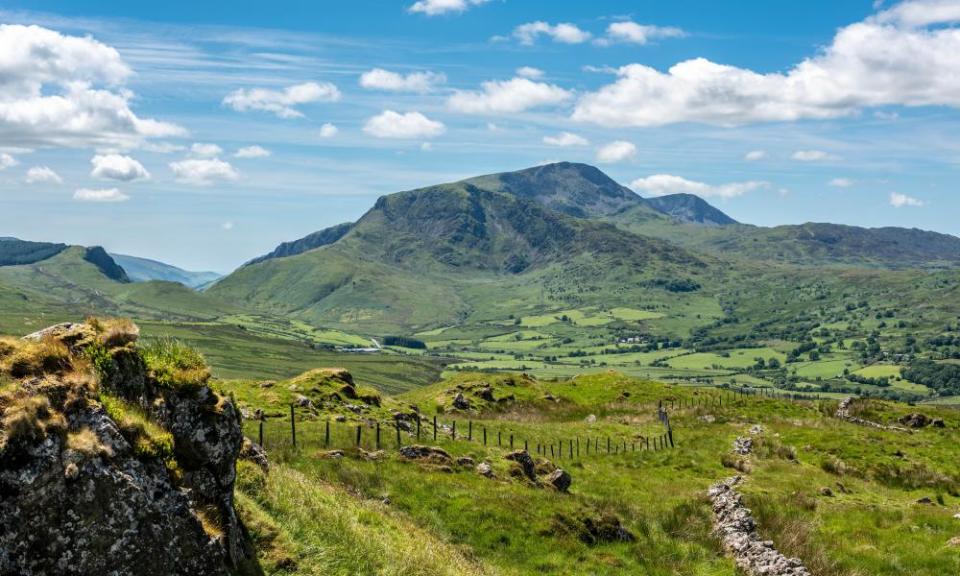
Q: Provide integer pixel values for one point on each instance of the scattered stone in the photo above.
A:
(843, 413)
(486, 393)
(255, 453)
(756, 429)
(594, 531)
(426, 454)
(371, 456)
(330, 454)
(460, 402)
(708, 418)
(743, 445)
(938, 423)
(340, 418)
(465, 461)
(956, 516)
(485, 470)
(590, 419)
(826, 491)
(302, 401)
(527, 466)
(560, 479)
(926, 501)
(737, 529)
(267, 384)
(550, 397)
(954, 542)
(915, 420)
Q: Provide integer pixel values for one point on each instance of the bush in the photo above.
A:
(176, 365)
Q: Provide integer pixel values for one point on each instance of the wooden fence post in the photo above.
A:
(434, 428)
(293, 426)
(453, 431)
(499, 439)
(359, 432)
(484, 435)
(608, 444)
(670, 437)
(326, 435)
(511, 441)
(526, 445)
(418, 427)
(399, 444)
(570, 443)
(378, 436)
(260, 437)
(470, 430)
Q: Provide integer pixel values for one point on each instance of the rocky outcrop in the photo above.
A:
(844, 412)
(115, 474)
(738, 531)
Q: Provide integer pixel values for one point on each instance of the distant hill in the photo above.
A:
(144, 269)
(690, 209)
(16, 252)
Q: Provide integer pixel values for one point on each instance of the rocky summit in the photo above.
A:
(108, 466)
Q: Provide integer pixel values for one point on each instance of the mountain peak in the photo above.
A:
(691, 209)
(574, 189)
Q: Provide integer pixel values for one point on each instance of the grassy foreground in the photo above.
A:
(843, 498)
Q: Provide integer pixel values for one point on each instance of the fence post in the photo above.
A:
(418, 427)
(293, 426)
(526, 446)
(470, 430)
(484, 435)
(608, 444)
(499, 439)
(551, 450)
(453, 431)
(434, 428)
(261, 432)
(326, 435)
(578, 446)
(511, 441)
(378, 436)
(359, 428)
(570, 442)
(399, 444)
(670, 437)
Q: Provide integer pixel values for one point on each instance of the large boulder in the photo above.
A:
(560, 479)
(525, 464)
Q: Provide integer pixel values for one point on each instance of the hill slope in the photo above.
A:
(690, 209)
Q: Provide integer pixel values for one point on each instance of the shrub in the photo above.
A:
(176, 365)
(37, 358)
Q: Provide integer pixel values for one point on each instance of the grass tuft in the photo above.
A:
(176, 365)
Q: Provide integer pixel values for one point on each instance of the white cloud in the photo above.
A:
(252, 152)
(205, 149)
(564, 33)
(905, 56)
(42, 174)
(437, 7)
(227, 225)
(507, 96)
(328, 130)
(117, 167)
(281, 102)
(617, 151)
(101, 195)
(565, 139)
(529, 72)
(812, 156)
(58, 90)
(161, 147)
(663, 184)
(754, 155)
(633, 33)
(202, 171)
(898, 200)
(7, 161)
(419, 82)
(841, 183)
(390, 124)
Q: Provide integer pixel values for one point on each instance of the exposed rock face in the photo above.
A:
(738, 531)
(426, 454)
(120, 477)
(560, 479)
(526, 463)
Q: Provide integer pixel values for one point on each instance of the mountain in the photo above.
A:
(144, 269)
(309, 242)
(690, 209)
(441, 253)
(15, 252)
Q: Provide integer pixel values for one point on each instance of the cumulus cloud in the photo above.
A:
(281, 103)
(437, 7)
(59, 90)
(390, 124)
(7, 161)
(42, 175)
(419, 82)
(529, 72)
(841, 182)
(898, 200)
(663, 184)
(565, 139)
(632, 33)
(205, 149)
(99, 195)
(812, 155)
(203, 171)
(507, 96)
(328, 130)
(252, 152)
(117, 167)
(904, 56)
(754, 155)
(565, 33)
(616, 151)
(227, 225)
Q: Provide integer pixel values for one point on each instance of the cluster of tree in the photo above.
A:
(944, 378)
(881, 382)
(16, 252)
(404, 342)
(675, 284)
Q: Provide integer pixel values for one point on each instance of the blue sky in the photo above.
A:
(203, 134)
